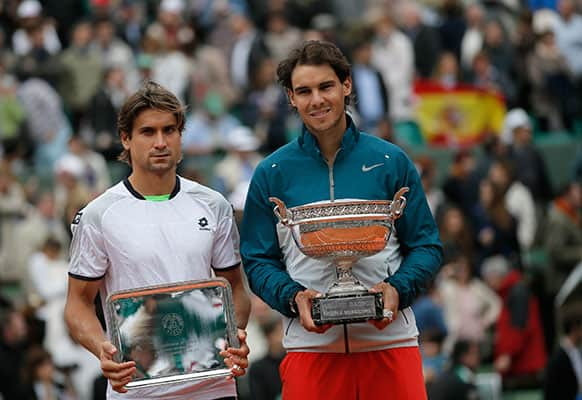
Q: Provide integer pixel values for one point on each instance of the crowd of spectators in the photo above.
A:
(66, 66)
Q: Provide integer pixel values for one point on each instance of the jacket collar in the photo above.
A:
(308, 142)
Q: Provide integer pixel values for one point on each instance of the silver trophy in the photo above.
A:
(342, 232)
(174, 332)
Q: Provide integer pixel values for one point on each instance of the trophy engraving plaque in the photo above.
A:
(174, 332)
(342, 232)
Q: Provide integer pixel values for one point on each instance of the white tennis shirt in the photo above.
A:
(131, 242)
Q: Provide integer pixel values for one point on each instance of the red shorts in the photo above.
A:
(394, 374)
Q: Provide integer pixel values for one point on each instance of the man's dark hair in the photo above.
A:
(460, 349)
(151, 96)
(314, 52)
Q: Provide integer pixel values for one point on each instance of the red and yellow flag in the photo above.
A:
(459, 116)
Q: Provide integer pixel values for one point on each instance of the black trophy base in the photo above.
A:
(347, 309)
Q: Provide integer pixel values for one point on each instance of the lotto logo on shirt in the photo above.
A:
(203, 224)
(77, 218)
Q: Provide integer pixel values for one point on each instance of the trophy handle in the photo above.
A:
(398, 203)
(280, 210)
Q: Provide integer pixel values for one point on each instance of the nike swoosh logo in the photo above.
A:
(371, 167)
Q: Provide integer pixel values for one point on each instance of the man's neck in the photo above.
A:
(153, 184)
(329, 142)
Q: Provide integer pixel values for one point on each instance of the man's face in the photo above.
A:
(155, 142)
(522, 135)
(319, 98)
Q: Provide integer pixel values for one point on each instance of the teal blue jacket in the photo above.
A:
(365, 167)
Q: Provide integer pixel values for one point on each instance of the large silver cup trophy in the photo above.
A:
(342, 232)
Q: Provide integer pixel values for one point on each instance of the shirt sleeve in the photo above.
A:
(418, 236)
(89, 260)
(225, 249)
(261, 254)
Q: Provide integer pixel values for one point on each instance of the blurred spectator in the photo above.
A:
(563, 379)
(13, 344)
(393, 56)
(169, 37)
(82, 75)
(169, 30)
(563, 235)
(425, 40)
(524, 39)
(385, 130)
(518, 201)
(456, 234)
(429, 313)
(40, 223)
(452, 27)
(247, 50)
(473, 38)
(434, 195)
(42, 380)
(447, 73)
(70, 188)
(492, 150)
(114, 52)
(461, 185)
(265, 382)
(458, 380)
(265, 109)
(471, 307)
(487, 77)
(206, 133)
(37, 61)
(207, 128)
(499, 48)
(261, 314)
(130, 21)
(434, 359)
(568, 30)
(369, 89)
(530, 168)
(520, 355)
(495, 227)
(553, 94)
(12, 116)
(103, 109)
(13, 208)
(328, 28)
(47, 270)
(234, 172)
(280, 37)
(96, 175)
(29, 13)
(429, 316)
(210, 74)
(65, 13)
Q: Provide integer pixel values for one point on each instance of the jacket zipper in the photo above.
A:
(330, 175)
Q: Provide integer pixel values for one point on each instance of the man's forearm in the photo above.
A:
(242, 302)
(242, 305)
(84, 326)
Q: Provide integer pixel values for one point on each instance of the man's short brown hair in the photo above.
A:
(314, 52)
(151, 96)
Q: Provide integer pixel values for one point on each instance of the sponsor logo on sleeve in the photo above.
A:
(77, 218)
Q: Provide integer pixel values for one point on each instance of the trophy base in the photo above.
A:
(347, 308)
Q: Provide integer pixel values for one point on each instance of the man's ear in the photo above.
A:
(125, 138)
(291, 97)
(347, 86)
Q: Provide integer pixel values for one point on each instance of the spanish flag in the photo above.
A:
(459, 116)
